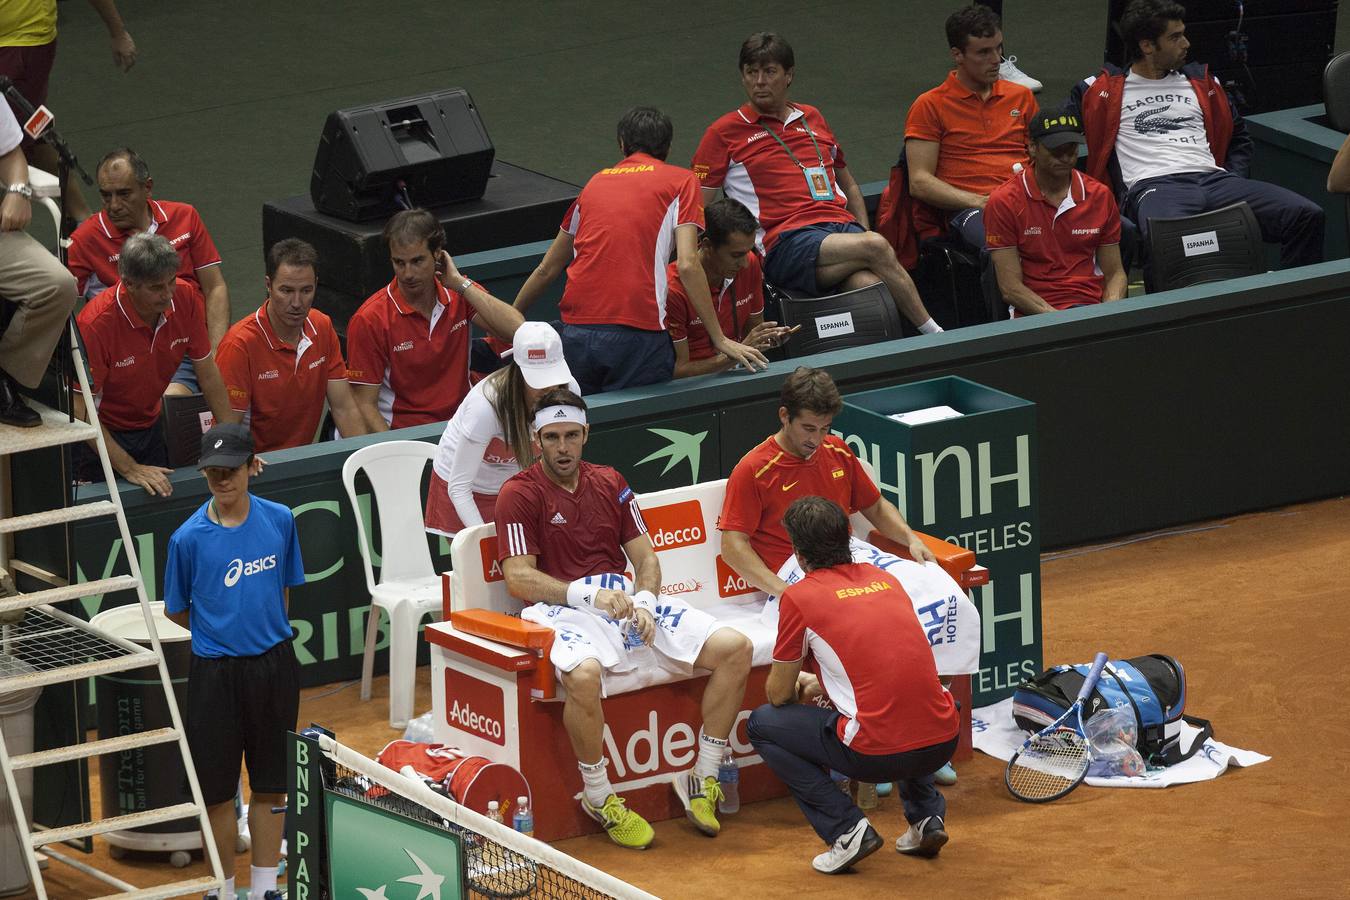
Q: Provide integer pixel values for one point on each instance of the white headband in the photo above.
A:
(551, 414)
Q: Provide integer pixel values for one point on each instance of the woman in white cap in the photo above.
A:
(488, 440)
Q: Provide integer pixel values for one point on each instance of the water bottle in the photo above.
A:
(495, 811)
(729, 778)
(523, 820)
(867, 795)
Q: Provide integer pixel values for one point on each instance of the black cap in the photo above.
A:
(1056, 128)
(226, 446)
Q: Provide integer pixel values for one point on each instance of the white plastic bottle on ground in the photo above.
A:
(729, 777)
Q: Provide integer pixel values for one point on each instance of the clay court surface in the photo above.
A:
(1253, 606)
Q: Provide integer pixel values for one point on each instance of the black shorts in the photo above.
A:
(145, 445)
(242, 707)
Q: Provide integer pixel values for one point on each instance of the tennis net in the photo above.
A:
(499, 862)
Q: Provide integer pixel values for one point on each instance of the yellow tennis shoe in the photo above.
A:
(699, 796)
(626, 828)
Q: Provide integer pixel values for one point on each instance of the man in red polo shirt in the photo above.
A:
(281, 362)
(782, 161)
(802, 459)
(736, 283)
(963, 137)
(889, 719)
(1052, 232)
(614, 243)
(408, 344)
(125, 184)
(135, 335)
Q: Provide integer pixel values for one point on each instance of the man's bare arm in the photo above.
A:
(849, 185)
(738, 553)
(555, 260)
(781, 686)
(887, 519)
(217, 297)
(1008, 271)
(1115, 283)
(367, 398)
(921, 158)
(346, 414)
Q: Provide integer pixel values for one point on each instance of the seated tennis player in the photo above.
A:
(803, 459)
(563, 529)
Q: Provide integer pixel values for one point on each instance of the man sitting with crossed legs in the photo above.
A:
(563, 529)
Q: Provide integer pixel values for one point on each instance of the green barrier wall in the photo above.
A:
(1294, 149)
(1152, 411)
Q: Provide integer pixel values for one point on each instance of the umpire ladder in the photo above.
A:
(49, 646)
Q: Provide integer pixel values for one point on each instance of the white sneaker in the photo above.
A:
(853, 845)
(1008, 71)
(924, 838)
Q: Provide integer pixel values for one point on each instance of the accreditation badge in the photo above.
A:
(818, 183)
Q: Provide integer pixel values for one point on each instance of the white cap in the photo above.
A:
(537, 349)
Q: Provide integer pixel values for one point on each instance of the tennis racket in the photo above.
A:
(1053, 761)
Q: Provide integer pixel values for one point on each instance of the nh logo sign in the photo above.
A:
(975, 476)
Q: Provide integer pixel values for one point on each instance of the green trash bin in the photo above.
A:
(959, 460)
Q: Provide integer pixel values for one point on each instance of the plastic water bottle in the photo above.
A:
(867, 795)
(495, 811)
(729, 777)
(523, 820)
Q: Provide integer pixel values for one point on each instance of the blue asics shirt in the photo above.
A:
(232, 580)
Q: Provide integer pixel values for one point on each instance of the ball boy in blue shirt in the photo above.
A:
(229, 570)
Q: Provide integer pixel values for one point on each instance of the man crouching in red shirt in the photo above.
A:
(891, 718)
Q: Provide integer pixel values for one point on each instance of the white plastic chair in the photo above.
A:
(409, 587)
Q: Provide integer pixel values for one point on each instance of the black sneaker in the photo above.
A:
(925, 838)
(857, 843)
(13, 411)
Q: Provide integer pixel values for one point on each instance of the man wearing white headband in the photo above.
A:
(564, 527)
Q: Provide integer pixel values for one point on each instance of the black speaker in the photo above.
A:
(433, 148)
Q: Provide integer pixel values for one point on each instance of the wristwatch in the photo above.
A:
(23, 190)
(468, 283)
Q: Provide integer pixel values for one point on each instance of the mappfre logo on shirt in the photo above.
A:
(240, 569)
(675, 525)
(729, 582)
(492, 569)
(475, 707)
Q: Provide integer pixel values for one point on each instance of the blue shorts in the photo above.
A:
(611, 357)
(791, 264)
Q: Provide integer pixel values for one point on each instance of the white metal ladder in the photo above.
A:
(52, 647)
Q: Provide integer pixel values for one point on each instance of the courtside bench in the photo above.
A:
(494, 692)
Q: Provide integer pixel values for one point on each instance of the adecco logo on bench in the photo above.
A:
(475, 707)
(729, 584)
(675, 525)
(492, 570)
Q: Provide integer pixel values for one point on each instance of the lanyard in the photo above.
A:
(820, 159)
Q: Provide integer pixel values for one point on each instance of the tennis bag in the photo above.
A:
(1152, 687)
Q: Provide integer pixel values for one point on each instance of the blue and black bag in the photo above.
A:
(1152, 687)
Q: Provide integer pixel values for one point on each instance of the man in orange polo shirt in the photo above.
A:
(963, 137)
(408, 344)
(281, 362)
(135, 335)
